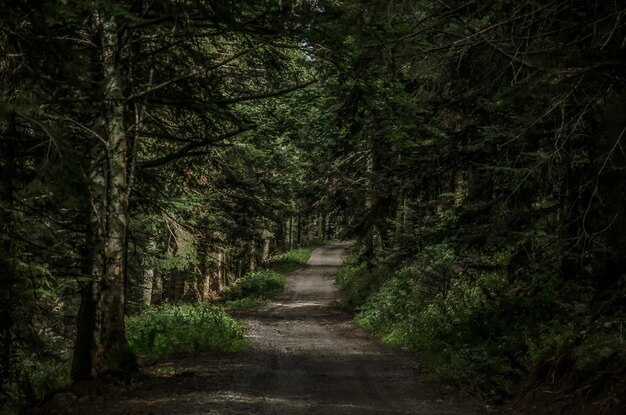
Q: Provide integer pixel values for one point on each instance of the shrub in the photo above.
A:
(461, 327)
(184, 328)
(262, 285)
(292, 260)
(357, 283)
(256, 288)
(487, 329)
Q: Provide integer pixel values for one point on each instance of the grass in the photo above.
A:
(184, 328)
(254, 289)
(257, 288)
(293, 260)
(244, 303)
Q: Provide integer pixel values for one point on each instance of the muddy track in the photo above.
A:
(307, 357)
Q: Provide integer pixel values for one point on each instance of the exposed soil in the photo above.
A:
(307, 357)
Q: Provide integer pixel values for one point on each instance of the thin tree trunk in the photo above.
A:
(266, 250)
(223, 273)
(157, 289)
(81, 368)
(290, 233)
(7, 276)
(216, 272)
(399, 231)
(204, 280)
(147, 287)
(148, 282)
(252, 263)
(280, 235)
(299, 231)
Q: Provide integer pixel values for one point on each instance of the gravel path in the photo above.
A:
(307, 357)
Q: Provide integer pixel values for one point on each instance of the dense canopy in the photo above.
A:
(156, 151)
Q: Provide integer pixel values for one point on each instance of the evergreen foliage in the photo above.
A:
(156, 152)
(477, 164)
(141, 162)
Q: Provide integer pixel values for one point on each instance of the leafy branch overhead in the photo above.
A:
(156, 152)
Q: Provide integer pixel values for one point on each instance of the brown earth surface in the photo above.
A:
(306, 357)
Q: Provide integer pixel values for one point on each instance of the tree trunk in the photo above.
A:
(148, 281)
(398, 233)
(252, 255)
(266, 250)
(109, 350)
(82, 356)
(290, 234)
(299, 231)
(223, 272)
(147, 287)
(216, 272)
(281, 234)
(204, 280)
(7, 276)
(157, 289)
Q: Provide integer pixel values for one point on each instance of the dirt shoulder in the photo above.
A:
(307, 357)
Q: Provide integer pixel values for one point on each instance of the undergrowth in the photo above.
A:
(483, 329)
(292, 260)
(171, 328)
(184, 328)
(256, 288)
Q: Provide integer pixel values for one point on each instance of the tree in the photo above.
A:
(457, 134)
(117, 92)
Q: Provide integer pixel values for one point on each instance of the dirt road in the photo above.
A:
(307, 357)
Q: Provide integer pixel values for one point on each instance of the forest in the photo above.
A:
(156, 153)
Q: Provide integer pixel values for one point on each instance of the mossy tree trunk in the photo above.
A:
(101, 323)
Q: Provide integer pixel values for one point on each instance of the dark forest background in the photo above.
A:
(156, 151)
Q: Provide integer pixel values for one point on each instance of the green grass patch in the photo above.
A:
(261, 285)
(184, 328)
(244, 303)
(293, 260)
(257, 288)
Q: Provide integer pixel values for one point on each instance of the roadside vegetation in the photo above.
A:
(294, 259)
(256, 288)
(183, 328)
(188, 328)
(172, 329)
(253, 290)
(484, 333)
(154, 153)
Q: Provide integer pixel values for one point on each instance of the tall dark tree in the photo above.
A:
(101, 101)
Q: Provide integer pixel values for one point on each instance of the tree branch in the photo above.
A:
(187, 150)
(265, 94)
